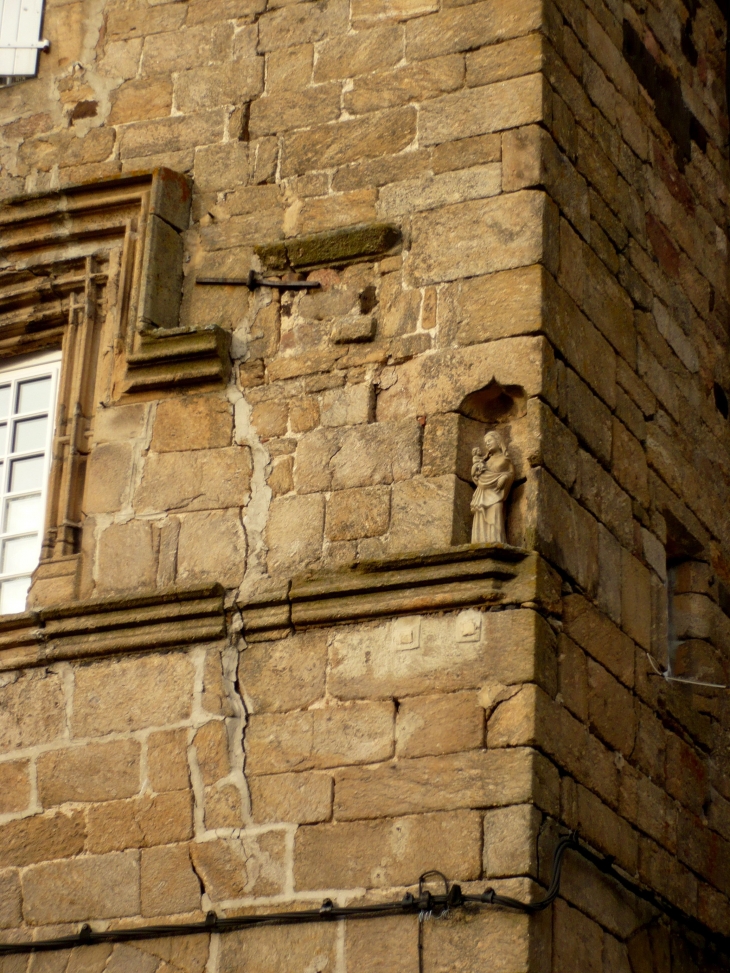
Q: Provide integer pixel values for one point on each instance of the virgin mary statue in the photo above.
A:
(493, 474)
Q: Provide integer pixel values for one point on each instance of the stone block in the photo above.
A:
(219, 167)
(482, 236)
(363, 512)
(578, 940)
(416, 81)
(481, 778)
(430, 512)
(600, 493)
(510, 59)
(306, 947)
(636, 599)
(587, 415)
(362, 327)
(510, 841)
(367, 137)
(491, 933)
(197, 480)
(350, 733)
(42, 837)
(348, 406)
(119, 695)
(127, 557)
(211, 747)
(466, 28)
(303, 24)
(381, 854)
(380, 944)
(573, 677)
(168, 884)
(513, 647)
(14, 786)
(141, 822)
(192, 422)
(363, 53)
(431, 725)
(270, 418)
(686, 773)
(231, 868)
(294, 533)
(611, 709)
(284, 110)
(365, 13)
(381, 452)
(89, 887)
(125, 958)
(561, 530)
(610, 834)
(120, 422)
(167, 760)
(478, 111)
(600, 638)
(10, 899)
(140, 99)
(95, 772)
(210, 86)
(284, 675)
(465, 153)
(302, 798)
(499, 305)
(108, 479)
(432, 192)
(212, 547)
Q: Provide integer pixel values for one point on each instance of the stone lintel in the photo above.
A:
(132, 623)
(347, 245)
(436, 581)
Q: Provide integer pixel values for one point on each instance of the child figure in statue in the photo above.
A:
(493, 474)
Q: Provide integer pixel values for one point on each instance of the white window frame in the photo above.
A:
(20, 37)
(13, 373)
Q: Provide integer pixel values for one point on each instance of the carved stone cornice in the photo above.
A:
(435, 581)
(127, 623)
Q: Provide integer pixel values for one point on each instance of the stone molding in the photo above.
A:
(435, 581)
(132, 623)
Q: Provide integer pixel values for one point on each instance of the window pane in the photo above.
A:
(4, 400)
(30, 434)
(20, 554)
(34, 395)
(26, 474)
(12, 595)
(3, 436)
(22, 514)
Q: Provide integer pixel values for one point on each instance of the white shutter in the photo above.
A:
(20, 36)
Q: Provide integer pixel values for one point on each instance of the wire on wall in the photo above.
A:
(424, 904)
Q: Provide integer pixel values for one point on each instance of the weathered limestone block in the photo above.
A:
(482, 236)
(95, 772)
(167, 761)
(211, 747)
(363, 512)
(388, 852)
(594, 632)
(261, 949)
(10, 897)
(294, 533)
(304, 797)
(419, 80)
(198, 480)
(142, 822)
(41, 838)
(168, 883)
(511, 647)
(440, 382)
(510, 841)
(430, 725)
(231, 868)
(492, 778)
(32, 709)
(357, 732)
(429, 512)
(192, 422)
(130, 694)
(127, 558)
(108, 479)
(284, 675)
(89, 887)
(458, 29)
(14, 786)
(212, 547)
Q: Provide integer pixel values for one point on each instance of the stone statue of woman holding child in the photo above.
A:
(493, 473)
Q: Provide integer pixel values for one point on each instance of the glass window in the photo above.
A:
(28, 392)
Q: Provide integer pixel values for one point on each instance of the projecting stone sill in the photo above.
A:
(433, 581)
(131, 623)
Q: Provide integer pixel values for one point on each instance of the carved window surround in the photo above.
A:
(97, 272)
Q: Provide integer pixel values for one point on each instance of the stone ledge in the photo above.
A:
(333, 248)
(435, 581)
(179, 358)
(132, 623)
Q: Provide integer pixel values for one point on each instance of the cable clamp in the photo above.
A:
(211, 919)
(408, 899)
(85, 932)
(455, 898)
(326, 907)
(488, 896)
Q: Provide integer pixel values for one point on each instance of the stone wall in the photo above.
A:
(516, 213)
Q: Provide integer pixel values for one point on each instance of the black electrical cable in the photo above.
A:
(423, 904)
